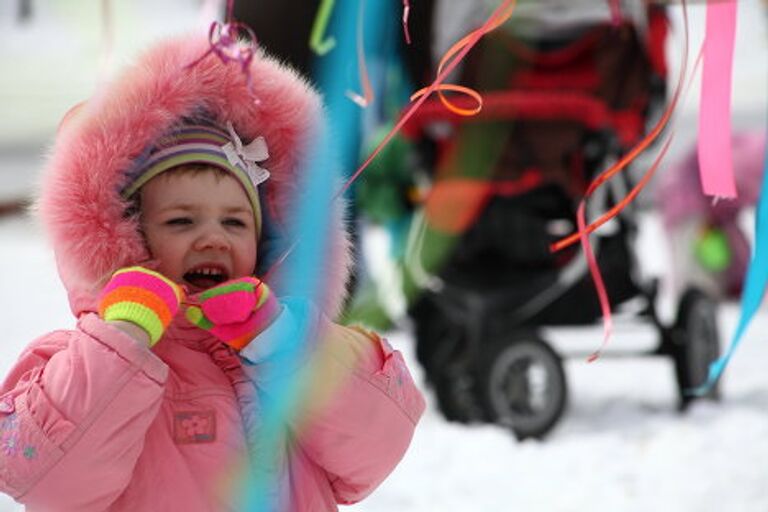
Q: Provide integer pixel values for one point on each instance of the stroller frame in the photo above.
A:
(478, 334)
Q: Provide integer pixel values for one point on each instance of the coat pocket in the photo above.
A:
(46, 415)
(26, 452)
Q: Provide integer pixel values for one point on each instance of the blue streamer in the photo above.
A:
(301, 274)
(754, 286)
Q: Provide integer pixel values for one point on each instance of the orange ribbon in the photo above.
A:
(460, 49)
(631, 155)
(498, 18)
(584, 230)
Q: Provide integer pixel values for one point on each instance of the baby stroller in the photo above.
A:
(563, 104)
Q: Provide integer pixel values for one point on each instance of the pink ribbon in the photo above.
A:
(406, 12)
(228, 48)
(715, 153)
(584, 230)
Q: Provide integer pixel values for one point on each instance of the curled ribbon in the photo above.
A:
(246, 157)
(498, 18)
(584, 230)
(632, 154)
(460, 50)
(225, 44)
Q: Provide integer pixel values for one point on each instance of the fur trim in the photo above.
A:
(79, 201)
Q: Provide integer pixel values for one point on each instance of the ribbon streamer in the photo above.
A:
(634, 152)
(594, 268)
(499, 16)
(754, 286)
(318, 42)
(597, 277)
(715, 151)
(406, 12)
(225, 44)
(583, 231)
(367, 97)
(497, 19)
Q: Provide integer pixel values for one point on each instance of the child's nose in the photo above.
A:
(212, 238)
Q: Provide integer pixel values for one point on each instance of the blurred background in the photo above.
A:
(495, 328)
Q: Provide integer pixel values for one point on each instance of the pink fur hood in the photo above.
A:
(79, 203)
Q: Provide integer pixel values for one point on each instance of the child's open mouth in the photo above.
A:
(206, 276)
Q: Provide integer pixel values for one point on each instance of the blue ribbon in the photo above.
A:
(754, 286)
(301, 275)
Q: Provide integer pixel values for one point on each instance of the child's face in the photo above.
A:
(199, 225)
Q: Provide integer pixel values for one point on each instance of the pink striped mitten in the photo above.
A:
(236, 311)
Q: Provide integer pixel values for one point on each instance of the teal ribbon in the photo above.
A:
(302, 275)
(754, 286)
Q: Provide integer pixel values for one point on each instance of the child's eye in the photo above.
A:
(234, 222)
(178, 221)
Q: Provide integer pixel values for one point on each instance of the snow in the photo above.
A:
(621, 445)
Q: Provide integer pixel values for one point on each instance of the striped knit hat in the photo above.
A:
(203, 144)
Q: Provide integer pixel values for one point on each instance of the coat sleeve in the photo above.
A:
(359, 408)
(360, 413)
(74, 411)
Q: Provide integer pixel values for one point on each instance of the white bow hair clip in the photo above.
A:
(246, 157)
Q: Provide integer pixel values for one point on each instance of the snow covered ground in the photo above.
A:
(621, 446)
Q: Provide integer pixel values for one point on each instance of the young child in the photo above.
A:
(709, 248)
(162, 220)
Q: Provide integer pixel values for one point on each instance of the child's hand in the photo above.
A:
(236, 311)
(141, 297)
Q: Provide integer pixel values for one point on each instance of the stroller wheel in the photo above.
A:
(455, 397)
(696, 344)
(441, 348)
(521, 384)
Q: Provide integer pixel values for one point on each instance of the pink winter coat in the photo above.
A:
(90, 420)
